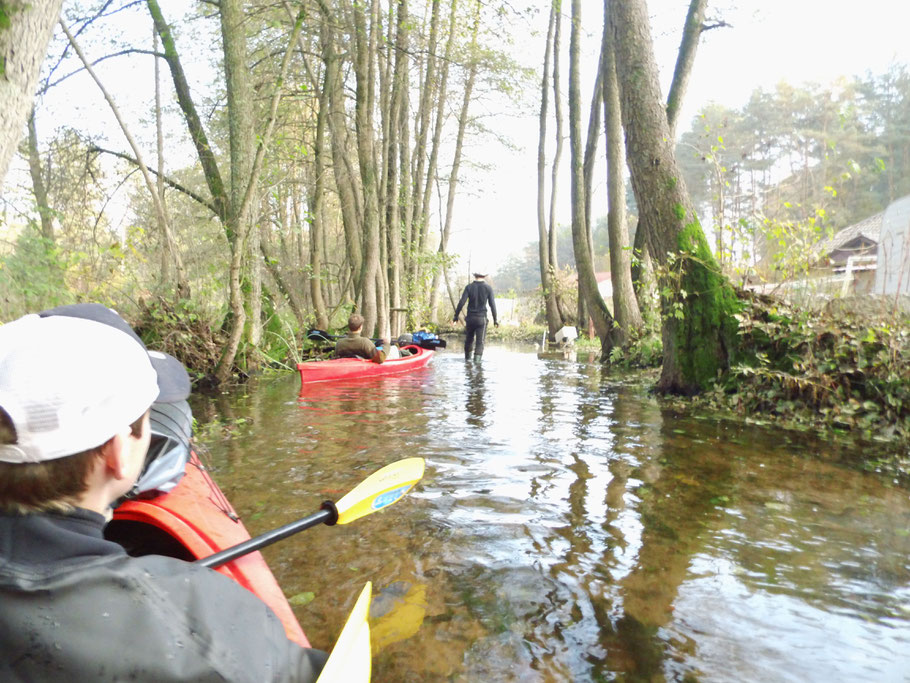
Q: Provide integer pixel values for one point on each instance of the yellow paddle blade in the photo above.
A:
(350, 660)
(380, 489)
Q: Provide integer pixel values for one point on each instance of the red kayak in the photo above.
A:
(193, 521)
(356, 368)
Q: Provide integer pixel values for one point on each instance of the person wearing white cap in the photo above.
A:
(478, 295)
(75, 394)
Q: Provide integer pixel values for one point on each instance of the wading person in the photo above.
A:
(353, 345)
(478, 295)
(74, 430)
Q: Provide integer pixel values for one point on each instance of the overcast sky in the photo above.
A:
(495, 215)
(769, 41)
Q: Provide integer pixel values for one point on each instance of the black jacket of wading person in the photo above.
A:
(352, 345)
(74, 606)
(478, 295)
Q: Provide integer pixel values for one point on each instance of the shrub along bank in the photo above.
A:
(844, 370)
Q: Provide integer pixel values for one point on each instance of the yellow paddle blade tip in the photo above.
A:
(351, 660)
(380, 489)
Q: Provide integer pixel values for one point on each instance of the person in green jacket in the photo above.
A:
(353, 345)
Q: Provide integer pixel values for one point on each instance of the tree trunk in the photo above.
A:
(625, 305)
(38, 186)
(182, 285)
(317, 206)
(557, 156)
(422, 226)
(587, 282)
(164, 276)
(23, 45)
(240, 132)
(685, 61)
(365, 49)
(397, 114)
(193, 122)
(424, 110)
(546, 270)
(459, 146)
(552, 246)
(338, 134)
(698, 328)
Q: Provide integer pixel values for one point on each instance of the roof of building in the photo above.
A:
(869, 228)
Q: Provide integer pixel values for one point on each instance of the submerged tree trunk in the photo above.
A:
(547, 272)
(625, 305)
(587, 282)
(552, 246)
(698, 328)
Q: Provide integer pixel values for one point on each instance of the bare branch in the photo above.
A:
(47, 86)
(207, 203)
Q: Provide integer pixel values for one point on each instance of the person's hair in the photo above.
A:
(51, 486)
(355, 322)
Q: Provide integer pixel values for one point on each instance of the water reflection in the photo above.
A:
(476, 402)
(569, 528)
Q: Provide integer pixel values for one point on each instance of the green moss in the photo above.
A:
(706, 334)
(680, 212)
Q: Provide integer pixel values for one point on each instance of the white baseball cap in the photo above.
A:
(69, 384)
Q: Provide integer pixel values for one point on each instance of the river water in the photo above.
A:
(569, 528)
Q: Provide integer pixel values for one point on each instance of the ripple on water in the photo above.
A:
(570, 528)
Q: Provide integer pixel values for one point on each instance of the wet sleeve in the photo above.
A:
(492, 305)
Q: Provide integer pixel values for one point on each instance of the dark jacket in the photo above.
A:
(478, 294)
(352, 345)
(75, 607)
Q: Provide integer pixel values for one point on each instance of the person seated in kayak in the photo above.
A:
(75, 394)
(353, 345)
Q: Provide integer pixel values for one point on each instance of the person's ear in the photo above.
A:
(115, 454)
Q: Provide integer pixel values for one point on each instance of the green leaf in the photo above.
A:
(302, 599)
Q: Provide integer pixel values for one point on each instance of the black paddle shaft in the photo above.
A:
(327, 514)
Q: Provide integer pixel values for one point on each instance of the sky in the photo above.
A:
(769, 41)
(496, 212)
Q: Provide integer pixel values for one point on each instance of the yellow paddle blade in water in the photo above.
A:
(350, 660)
(380, 489)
